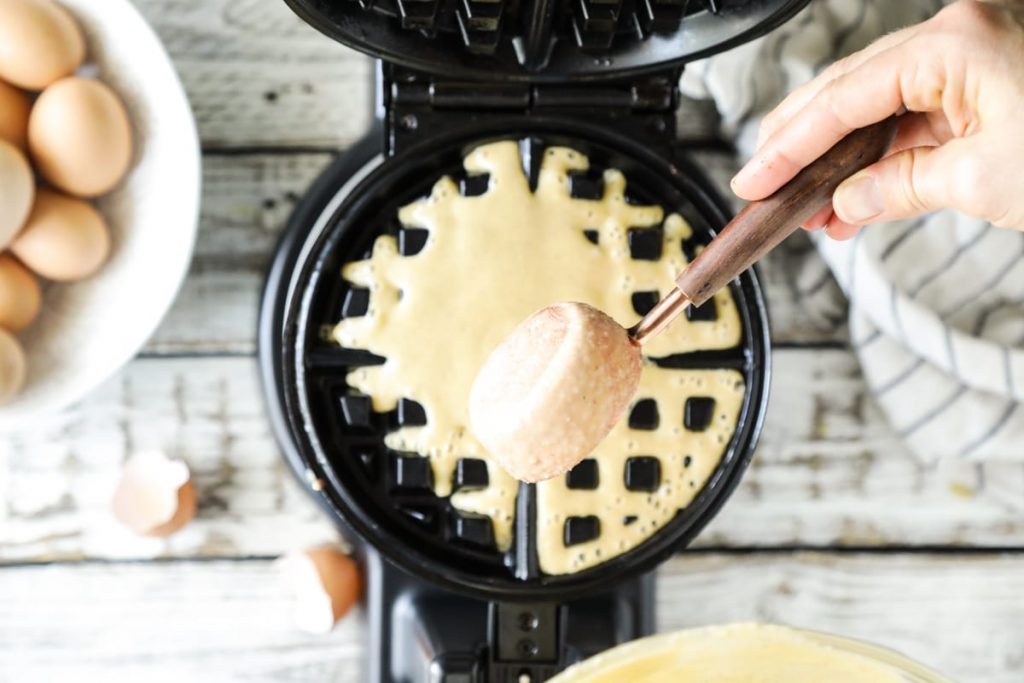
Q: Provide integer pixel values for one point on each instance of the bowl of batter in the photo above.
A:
(748, 653)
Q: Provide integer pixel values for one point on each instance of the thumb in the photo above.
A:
(905, 184)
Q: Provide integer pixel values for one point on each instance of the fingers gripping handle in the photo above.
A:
(762, 225)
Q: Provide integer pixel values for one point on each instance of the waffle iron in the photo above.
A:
(444, 604)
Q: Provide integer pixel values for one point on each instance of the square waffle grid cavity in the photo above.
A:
(403, 480)
(592, 24)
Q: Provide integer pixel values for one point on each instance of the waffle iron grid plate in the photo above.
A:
(385, 496)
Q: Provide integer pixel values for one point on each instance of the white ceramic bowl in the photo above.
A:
(89, 330)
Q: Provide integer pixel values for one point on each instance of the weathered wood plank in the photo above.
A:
(224, 621)
(957, 613)
(258, 76)
(59, 479)
(247, 199)
(828, 471)
(219, 622)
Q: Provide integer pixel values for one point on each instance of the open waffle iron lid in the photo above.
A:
(543, 40)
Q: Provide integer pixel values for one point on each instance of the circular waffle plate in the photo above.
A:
(332, 436)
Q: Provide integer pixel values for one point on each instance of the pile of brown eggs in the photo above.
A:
(64, 140)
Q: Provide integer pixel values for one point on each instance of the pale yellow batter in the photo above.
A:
(740, 653)
(489, 262)
(687, 458)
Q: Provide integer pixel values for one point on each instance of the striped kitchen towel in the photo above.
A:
(936, 311)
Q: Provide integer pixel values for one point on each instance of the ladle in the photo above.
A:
(554, 388)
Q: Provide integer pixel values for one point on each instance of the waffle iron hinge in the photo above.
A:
(525, 642)
(418, 106)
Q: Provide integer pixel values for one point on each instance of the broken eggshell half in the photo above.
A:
(323, 584)
(155, 496)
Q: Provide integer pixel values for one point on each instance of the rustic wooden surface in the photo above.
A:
(835, 526)
(220, 622)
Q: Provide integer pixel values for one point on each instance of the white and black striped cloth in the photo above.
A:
(936, 304)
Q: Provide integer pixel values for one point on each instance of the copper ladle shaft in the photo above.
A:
(658, 318)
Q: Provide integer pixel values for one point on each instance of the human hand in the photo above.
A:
(960, 76)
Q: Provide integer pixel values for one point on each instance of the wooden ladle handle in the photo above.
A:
(761, 225)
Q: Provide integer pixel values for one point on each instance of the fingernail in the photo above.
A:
(859, 199)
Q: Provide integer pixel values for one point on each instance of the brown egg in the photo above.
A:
(13, 367)
(14, 109)
(17, 189)
(64, 238)
(39, 43)
(19, 295)
(80, 137)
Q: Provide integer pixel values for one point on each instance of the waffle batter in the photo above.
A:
(740, 653)
(489, 262)
(686, 460)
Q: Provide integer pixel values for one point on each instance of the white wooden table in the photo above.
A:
(834, 527)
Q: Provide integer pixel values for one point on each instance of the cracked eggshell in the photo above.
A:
(323, 583)
(155, 496)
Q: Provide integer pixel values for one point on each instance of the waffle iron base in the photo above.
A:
(458, 620)
(419, 632)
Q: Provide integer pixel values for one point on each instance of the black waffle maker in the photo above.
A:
(443, 603)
